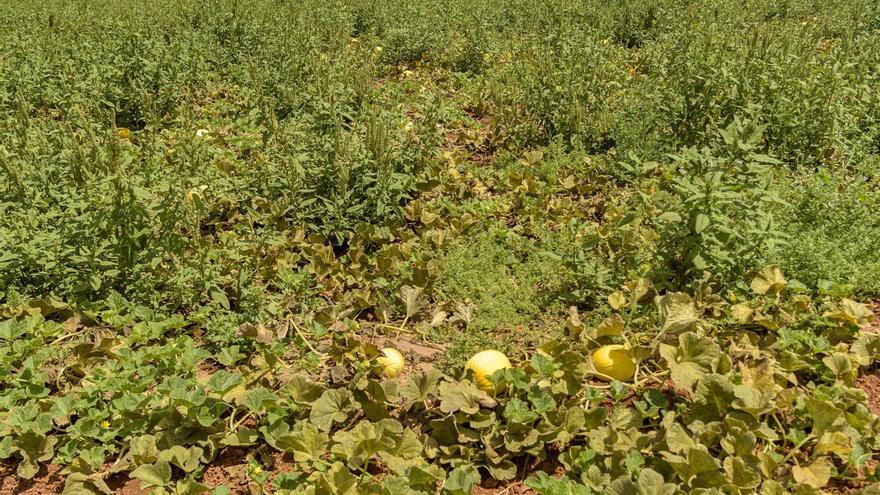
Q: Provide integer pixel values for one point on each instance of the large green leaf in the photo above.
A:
(333, 406)
(463, 396)
(153, 475)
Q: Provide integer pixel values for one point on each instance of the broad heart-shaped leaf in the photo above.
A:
(337, 481)
(678, 440)
(815, 475)
(153, 475)
(333, 406)
(652, 483)
(517, 411)
(543, 365)
(143, 449)
(840, 364)
(302, 390)
(358, 445)
(690, 360)
(677, 312)
(259, 399)
(713, 396)
(241, 438)
(503, 471)
(307, 443)
(825, 416)
(768, 279)
(420, 386)
(835, 442)
(743, 313)
(849, 311)
(461, 480)
(223, 381)
(34, 448)
(697, 461)
(408, 446)
(463, 396)
(82, 484)
(184, 458)
(866, 348)
(740, 474)
(190, 487)
(752, 400)
(544, 484)
(773, 487)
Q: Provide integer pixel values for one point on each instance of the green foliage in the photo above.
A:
(833, 228)
(718, 217)
(770, 409)
(240, 202)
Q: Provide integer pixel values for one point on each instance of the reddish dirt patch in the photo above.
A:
(121, 484)
(870, 383)
(874, 326)
(229, 469)
(48, 480)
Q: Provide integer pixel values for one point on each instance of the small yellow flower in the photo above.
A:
(408, 73)
(124, 133)
(377, 50)
(258, 470)
(105, 424)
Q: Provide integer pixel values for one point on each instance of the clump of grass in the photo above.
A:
(834, 229)
(511, 285)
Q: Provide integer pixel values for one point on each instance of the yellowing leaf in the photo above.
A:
(815, 475)
(613, 325)
(834, 442)
(743, 313)
(769, 279)
(849, 311)
(617, 300)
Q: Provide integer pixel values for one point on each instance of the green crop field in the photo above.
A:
(218, 216)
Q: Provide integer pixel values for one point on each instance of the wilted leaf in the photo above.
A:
(613, 326)
(413, 298)
(742, 312)
(617, 300)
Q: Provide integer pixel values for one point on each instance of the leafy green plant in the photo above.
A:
(718, 217)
